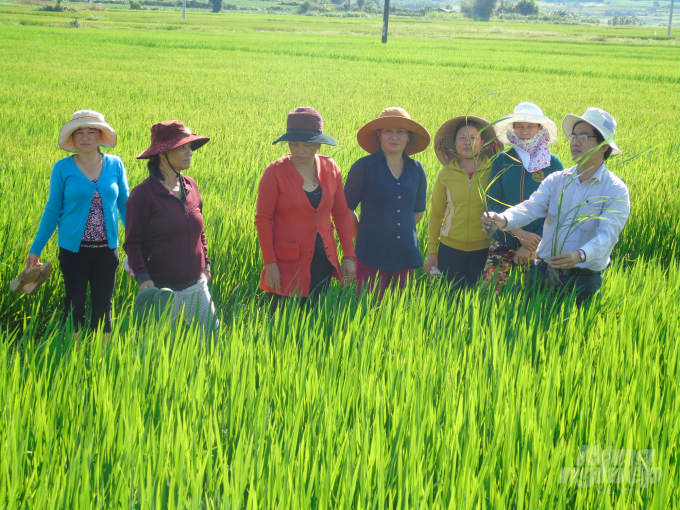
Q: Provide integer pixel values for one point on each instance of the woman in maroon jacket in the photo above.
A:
(164, 235)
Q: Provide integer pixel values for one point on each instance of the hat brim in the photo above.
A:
(447, 154)
(368, 139)
(109, 136)
(571, 119)
(196, 143)
(502, 126)
(306, 137)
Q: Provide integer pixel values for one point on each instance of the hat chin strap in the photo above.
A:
(183, 192)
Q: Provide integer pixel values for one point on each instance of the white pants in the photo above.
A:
(198, 305)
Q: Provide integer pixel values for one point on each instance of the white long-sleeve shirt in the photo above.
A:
(591, 217)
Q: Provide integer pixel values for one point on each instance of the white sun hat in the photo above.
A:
(599, 119)
(86, 118)
(525, 112)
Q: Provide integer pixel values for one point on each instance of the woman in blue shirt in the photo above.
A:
(88, 192)
(391, 188)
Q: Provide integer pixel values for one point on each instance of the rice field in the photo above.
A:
(427, 401)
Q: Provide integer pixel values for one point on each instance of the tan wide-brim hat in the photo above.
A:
(445, 142)
(86, 118)
(393, 117)
(525, 112)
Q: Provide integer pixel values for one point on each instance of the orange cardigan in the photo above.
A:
(287, 224)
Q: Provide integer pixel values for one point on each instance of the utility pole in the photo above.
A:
(386, 18)
(184, 9)
(670, 19)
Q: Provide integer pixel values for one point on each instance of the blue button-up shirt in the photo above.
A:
(387, 238)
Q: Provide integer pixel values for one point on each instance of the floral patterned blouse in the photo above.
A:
(95, 229)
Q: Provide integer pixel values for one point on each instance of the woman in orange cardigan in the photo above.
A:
(296, 198)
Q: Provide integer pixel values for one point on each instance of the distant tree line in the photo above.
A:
(625, 20)
(485, 8)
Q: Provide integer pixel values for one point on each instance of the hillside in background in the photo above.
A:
(646, 12)
(651, 12)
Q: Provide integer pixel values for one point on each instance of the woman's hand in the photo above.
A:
(33, 260)
(207, 274)
(349, 270)
(272, 277)
(522, 256)
(146, 285)
(432, 261)
(528, 239)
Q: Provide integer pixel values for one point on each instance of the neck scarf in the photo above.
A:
(537, 147)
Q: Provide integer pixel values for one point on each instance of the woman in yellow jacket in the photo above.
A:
(456, 245)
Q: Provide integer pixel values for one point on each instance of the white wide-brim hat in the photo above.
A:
(86, 118)
(525, 112)
(599, 119)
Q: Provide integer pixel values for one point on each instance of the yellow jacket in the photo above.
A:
(456, 208)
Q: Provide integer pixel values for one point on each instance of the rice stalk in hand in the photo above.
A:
(571, 218)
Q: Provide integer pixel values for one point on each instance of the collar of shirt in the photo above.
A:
(160, 189)
(598, 175)
(455, 165)
(524, 156)
(377, 156)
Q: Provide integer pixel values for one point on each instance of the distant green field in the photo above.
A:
(428, 401)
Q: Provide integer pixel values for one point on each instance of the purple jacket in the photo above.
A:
(164, 239)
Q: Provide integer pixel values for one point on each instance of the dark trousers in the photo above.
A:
(462, 267)
(96, 266)
(585, 286)
(321, 271)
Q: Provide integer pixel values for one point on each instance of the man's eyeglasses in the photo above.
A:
(581, 138)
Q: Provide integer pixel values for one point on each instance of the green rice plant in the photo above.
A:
(429, 400)
(349, 405)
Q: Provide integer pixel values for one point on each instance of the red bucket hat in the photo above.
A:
(169, 135)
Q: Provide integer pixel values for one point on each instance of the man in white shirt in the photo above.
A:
(579, 233)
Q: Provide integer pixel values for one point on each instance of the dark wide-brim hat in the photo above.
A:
(445, 141)
(152, 302)
(169, 135)
(393, 117)
(305, 124)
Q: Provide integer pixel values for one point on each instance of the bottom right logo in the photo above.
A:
(598, 466)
